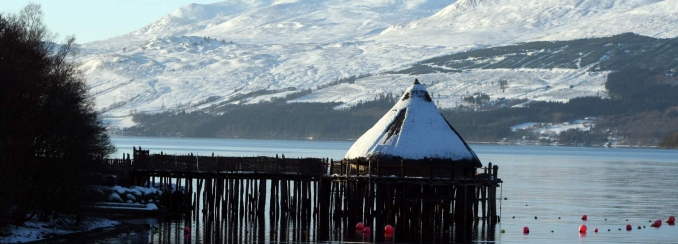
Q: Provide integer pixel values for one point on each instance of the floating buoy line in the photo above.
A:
(582, 228)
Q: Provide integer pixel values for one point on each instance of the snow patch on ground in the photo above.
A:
(35, 230)
(118, 122)
(133, 194)
(523, 126)
(555, 129)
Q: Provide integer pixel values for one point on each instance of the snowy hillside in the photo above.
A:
(201, 55)
(447, 89)
(499, 22)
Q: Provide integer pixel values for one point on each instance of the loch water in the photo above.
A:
(546, 189)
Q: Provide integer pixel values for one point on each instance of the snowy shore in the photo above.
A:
(116, 198)
(37, 230)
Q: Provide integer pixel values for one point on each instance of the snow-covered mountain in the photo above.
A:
(201, 55)
(496, 22)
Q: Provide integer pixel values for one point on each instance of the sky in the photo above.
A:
(93, 20)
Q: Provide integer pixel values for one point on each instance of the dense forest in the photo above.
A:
(267, 120)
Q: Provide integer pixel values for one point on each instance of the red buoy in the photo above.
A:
(657, 223)
(526, 230)
(388, 229)
(582, 229)
(359, 226)
(584, 217)
(671, 220)
(367, 230)
(629, 227)
(595, 230)
(187, 230)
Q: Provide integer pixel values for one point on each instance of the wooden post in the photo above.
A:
(284, 196)
(493, 201)
(378, 171)
(262, 199)
(379, 225)
(402, 169)
(476, 197)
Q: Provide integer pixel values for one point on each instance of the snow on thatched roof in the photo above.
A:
(412, 129)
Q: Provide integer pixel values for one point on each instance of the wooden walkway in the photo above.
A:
(287, 194)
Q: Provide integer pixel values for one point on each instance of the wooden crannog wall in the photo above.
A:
(421, 199)
(299, 200)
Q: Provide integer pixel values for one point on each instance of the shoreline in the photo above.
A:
(123, 228)
(525, 143)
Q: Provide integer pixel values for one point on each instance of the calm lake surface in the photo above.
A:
(547, 189)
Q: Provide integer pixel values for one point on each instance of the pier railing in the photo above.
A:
(143, 161)
(120, 168)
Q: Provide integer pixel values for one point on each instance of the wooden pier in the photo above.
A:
(311, 199)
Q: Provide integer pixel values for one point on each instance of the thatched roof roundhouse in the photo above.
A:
(415, 132)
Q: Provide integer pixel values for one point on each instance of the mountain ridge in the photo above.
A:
(200, 52)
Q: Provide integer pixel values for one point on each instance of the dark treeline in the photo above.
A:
(349, 80)
(670, 141)
(49, 132)
(267, 120)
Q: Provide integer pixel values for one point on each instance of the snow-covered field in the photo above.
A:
(235, 47)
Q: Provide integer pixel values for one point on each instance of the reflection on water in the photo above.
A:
(547, 189)
(170, 229)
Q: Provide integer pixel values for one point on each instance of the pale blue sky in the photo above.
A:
(92, 20)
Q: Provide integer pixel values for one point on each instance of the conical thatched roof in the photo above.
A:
(413, 129)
